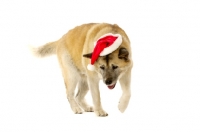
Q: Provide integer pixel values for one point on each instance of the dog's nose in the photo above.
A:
(108, 81)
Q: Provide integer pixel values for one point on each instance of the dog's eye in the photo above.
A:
(102, 67)
(114, 67)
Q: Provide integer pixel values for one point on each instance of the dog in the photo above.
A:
(75, 50)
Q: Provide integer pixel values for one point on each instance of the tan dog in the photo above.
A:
(73, 51)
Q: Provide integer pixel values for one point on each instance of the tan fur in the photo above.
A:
(45, 50)
(70, 50)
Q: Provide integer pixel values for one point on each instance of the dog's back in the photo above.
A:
(80, 40)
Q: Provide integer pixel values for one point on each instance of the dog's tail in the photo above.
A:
(45, 50)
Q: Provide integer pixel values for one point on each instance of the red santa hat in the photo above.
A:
(105, 45)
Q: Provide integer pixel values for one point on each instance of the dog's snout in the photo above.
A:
(108, 81)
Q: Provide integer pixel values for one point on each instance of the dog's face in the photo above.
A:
(110, 67)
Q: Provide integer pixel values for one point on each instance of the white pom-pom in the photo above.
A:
(90, 67)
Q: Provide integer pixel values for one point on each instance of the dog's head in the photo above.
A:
(110, 67)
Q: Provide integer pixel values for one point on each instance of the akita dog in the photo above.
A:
(87, 54)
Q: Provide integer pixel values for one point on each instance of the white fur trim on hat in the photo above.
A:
(90, 67)
(112, 47)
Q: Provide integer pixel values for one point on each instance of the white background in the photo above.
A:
(165, 36)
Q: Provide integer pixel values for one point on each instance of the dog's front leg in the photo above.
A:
(94, 88)
(125, 81)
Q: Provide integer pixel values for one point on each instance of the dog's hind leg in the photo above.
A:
(82, 91)
(71, 78)
(70, 84)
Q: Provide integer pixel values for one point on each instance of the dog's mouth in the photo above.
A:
(111, 86)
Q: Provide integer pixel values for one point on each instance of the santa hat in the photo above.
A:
(105, 45)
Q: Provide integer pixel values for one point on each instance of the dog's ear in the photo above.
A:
(123, 54)
(88, 55)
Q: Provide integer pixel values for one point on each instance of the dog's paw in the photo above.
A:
(89, 109)
(77, 110)
(101, 113)
(85, 106)
(123, 102)
(122, 107)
